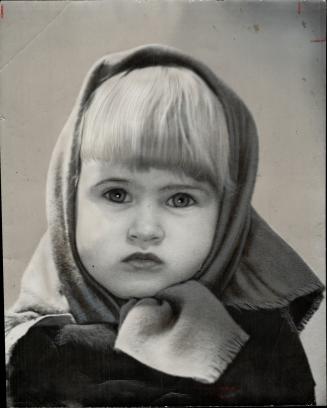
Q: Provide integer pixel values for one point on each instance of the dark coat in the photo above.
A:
(272, 368)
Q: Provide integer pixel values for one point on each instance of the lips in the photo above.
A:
(141, 260)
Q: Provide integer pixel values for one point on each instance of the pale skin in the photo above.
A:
(122, 212)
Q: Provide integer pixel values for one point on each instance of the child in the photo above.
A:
(157, 283)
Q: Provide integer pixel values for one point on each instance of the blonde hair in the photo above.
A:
(162, 117)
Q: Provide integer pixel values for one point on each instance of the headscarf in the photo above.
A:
(184, 330)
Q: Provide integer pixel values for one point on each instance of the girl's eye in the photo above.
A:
(181, 200)
(117, 195)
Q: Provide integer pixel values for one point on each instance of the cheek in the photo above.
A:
(98, 235)
(194, 237)
(201, 227)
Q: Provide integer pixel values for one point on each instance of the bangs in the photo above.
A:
(161, 117)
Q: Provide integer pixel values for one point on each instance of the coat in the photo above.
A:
(82, 370)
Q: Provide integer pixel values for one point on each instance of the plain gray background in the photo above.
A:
(270, 53)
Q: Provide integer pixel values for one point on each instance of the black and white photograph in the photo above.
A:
(163, 202)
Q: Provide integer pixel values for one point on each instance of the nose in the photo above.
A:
(145, 230)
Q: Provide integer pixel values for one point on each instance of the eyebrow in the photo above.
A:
(112, 180)
(183, 187)
(169, 187)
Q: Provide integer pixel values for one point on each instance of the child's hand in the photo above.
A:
(90, 350)
(76, 364)
(100, 337)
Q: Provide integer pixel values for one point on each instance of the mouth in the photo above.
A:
(140, 260)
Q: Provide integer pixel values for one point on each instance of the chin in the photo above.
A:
(137, 293)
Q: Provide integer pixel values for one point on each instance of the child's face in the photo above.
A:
(141, 231)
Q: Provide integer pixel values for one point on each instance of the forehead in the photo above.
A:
(171, 121)
(96, 172)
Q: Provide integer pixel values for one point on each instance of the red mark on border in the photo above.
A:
(227, 391)
(1, 11)
(299, 7)
(319, 40)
